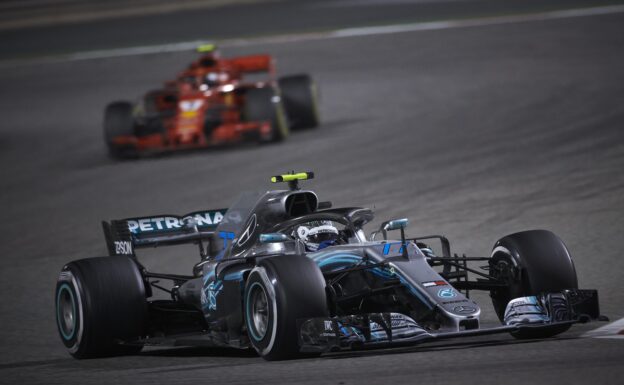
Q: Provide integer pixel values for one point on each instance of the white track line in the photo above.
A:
(552, 15)
(341, 33)
(612, 330)
(353, 32)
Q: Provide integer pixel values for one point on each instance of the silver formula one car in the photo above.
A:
(287, 275)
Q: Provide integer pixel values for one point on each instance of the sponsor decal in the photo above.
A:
(393, 248)
(202, 219)
(248, 232)
(123, 247)
(434, 283)
(464, 309)
(210, 294)
(328, 329)
(191, 105)
(447, 293)
(189, 109)
(65, 276)
(226, 236)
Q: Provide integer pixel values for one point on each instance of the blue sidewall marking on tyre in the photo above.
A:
(58, 313)
(250, 325)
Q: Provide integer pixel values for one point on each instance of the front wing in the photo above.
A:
(381, 330)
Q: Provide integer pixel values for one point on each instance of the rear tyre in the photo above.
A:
(99, 303)
(279, 291)
(300, 97)
(263, 104)
(118, 121)
(531, 262)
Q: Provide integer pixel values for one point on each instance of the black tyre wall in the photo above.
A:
(110, 303)
(212, 120)
(538, 261)
(299, 95)
(118, 121)
(261, 105)
(298, 292)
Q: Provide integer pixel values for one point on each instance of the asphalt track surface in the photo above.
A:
(471, 132)
(258, 18)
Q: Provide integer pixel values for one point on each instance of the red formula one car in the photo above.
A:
(211, 103)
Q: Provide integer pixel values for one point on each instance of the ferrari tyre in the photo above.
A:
(263, 104)
(212, 120)
(100, 302)
(118, 121)
(300, 98)
(278, 292)
(531, 262)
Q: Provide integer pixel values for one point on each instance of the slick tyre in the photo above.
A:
(531, 262)
(119, 122)
(278, 292)
(154, 113)
(300, 98)
(100, 302)
(262, 105)
(212, 120)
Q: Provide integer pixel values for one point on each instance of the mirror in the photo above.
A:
(274, 238)
(396, 224)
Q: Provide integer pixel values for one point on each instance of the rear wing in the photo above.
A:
(253, 64)
(123, 236)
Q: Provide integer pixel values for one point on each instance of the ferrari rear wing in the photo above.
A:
(253, 63)
(124, 235)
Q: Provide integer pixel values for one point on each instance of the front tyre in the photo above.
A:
(100, 302)
(119, 122)
(278, 292)
(531, 262)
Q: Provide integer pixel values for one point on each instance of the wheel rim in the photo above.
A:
(66, 312)
(259, 309)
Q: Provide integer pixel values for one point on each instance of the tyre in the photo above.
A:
(118, 121)
(300, 98)
(263, 104)
(279, 291)
(152, 121)
(99, 302)
(531, 262)
(212, 120)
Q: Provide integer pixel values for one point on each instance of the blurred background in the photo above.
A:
(474, 119)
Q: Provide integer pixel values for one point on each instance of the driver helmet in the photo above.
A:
(317, 235)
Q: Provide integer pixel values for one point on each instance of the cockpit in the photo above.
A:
(298, 216)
